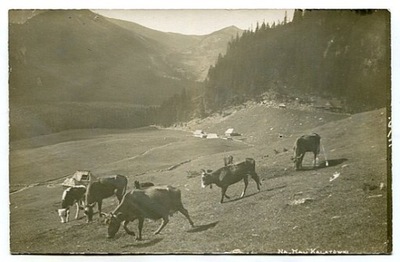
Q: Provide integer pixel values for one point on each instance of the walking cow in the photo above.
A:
(101, 189)
(154, 203)
(231, 174)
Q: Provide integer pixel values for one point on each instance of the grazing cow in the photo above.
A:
(72, 195)
(154, 203)
(228, 160)
(231, 174)
(101, 189)
(142, 185)
(303, 144)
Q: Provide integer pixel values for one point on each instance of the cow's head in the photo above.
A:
(206, 178)
(297, 163)
(114, 222)
(297, 159)
(89, 212)
(63, 213)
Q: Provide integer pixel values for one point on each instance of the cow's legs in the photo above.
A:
(186, 214)
(99, 204)
(126, 222)
(77, 210)
(257, 179)
(315, 162)
(140, 227)
(228, 197)
(300, 162)
(119, 194)
(119, 197)
(163, 224)
(223, 193)
(246, 183)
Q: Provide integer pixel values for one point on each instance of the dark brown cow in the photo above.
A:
(303, 144)
(154, 203)
(101, 189)
(231, 174)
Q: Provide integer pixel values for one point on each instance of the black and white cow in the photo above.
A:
(303, 144)
(72, 195)
(103, 188)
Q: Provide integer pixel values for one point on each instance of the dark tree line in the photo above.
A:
(340, 54)
(181, 108)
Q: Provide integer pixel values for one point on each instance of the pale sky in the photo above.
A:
(199, 21)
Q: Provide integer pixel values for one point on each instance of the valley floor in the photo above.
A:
(340, 208)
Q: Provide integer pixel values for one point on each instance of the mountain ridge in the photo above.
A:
(95, 43)
(75, 57)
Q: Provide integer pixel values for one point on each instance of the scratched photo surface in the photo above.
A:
(200, 131)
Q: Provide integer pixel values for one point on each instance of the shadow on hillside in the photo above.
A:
(332, 162)
(144, 243)
(202, 227)
(275, 188)
(239, 198)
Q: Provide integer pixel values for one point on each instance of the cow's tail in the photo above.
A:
(324, 154)
(125, 187)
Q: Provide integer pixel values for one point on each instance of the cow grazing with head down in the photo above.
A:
(101, 189)
(231, 174)
(72, 195)
(303, 144)
(154, 203)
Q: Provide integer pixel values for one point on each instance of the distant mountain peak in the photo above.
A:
(230, 30)
(233, 27)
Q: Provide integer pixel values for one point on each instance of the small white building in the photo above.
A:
(212, 136)
(199, 133)
(230, 132)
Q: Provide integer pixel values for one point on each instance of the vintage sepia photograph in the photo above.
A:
(200, 131)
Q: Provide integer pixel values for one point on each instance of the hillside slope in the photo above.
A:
(168, 41)
(342, 207)
(195, 60)
(259, 123)
(191, 55)
(76, 55)
(335, 54)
